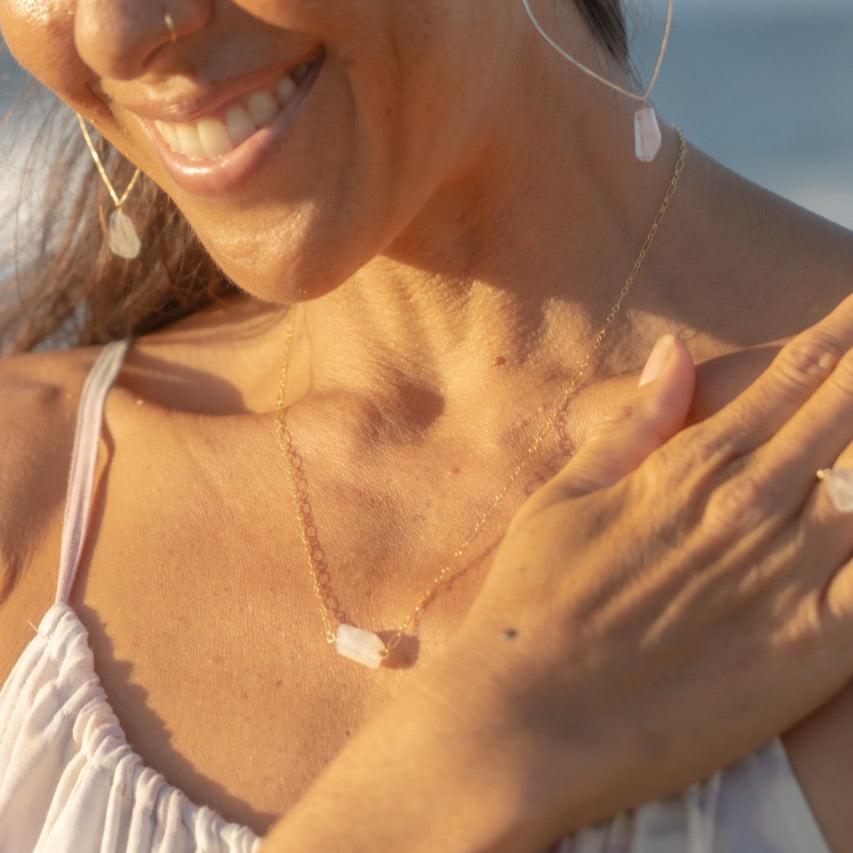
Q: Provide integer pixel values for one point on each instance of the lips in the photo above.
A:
(219, 133)
(221, 151)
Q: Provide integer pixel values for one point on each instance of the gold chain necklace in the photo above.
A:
(367, 647)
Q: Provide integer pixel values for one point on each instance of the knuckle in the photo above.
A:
(739, 503)
(806, 360)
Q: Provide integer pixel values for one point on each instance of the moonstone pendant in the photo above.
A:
(839, 484)
(647, 137)
(123, 239)
(358, 645)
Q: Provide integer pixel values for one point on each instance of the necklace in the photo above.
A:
(367, 647)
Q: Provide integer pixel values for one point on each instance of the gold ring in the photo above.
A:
(170, 25)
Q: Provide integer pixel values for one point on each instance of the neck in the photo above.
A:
(493, 295)
(486, 303)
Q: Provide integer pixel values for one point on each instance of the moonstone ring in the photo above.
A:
(839, 484)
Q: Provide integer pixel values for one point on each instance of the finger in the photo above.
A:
(828, 541)
(812, 439)
(626, 436)
(797, 371)
(829, 526)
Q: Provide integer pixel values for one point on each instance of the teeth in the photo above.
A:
(285, 88)
(240, 125)
(169, 132)
(215, 136)
(188, 140)
(262, 107)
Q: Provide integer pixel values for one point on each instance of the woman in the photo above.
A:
(453, 209)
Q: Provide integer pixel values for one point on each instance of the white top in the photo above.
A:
(71, 783)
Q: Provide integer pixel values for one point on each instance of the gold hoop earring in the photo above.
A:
(647, 135)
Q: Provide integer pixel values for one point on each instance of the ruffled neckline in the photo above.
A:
(102, 740)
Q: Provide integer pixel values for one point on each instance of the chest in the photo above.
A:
(203, 608)
(196, 591)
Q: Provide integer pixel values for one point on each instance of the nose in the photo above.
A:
(117, 39)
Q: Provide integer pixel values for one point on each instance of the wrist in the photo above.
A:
(548, 759)
(467, 735)
(476, 704)
(430, 772)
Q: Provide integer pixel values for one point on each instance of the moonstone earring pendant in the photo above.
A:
(120, 233)
(839, 485)
(122, 237)
(647, 135)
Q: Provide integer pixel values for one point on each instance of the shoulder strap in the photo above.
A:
(84, 457)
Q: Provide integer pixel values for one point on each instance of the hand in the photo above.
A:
(673, 600)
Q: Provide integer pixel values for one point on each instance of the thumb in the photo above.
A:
(620, 441)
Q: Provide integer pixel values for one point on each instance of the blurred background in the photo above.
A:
(764, 86)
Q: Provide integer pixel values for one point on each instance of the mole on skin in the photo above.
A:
(510, 633)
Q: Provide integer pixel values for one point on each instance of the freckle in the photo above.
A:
(510, 633)
(454, 469)
(499, 359)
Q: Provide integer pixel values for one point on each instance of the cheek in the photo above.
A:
(391, 124)
(40, 35)
(401, 102)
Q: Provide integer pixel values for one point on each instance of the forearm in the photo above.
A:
(417, 777)
(437, 769)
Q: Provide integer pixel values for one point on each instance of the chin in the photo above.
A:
(284, 269)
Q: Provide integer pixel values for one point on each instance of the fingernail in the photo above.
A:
(657, 359)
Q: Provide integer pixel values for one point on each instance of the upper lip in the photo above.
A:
(208, 97)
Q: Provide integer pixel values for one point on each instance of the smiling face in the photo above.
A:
(298, 137)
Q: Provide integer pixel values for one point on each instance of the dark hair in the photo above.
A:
(76, 293)
(606, 19)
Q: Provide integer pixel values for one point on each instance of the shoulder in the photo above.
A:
(39, 393)
(721, 377)
(770, 270)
